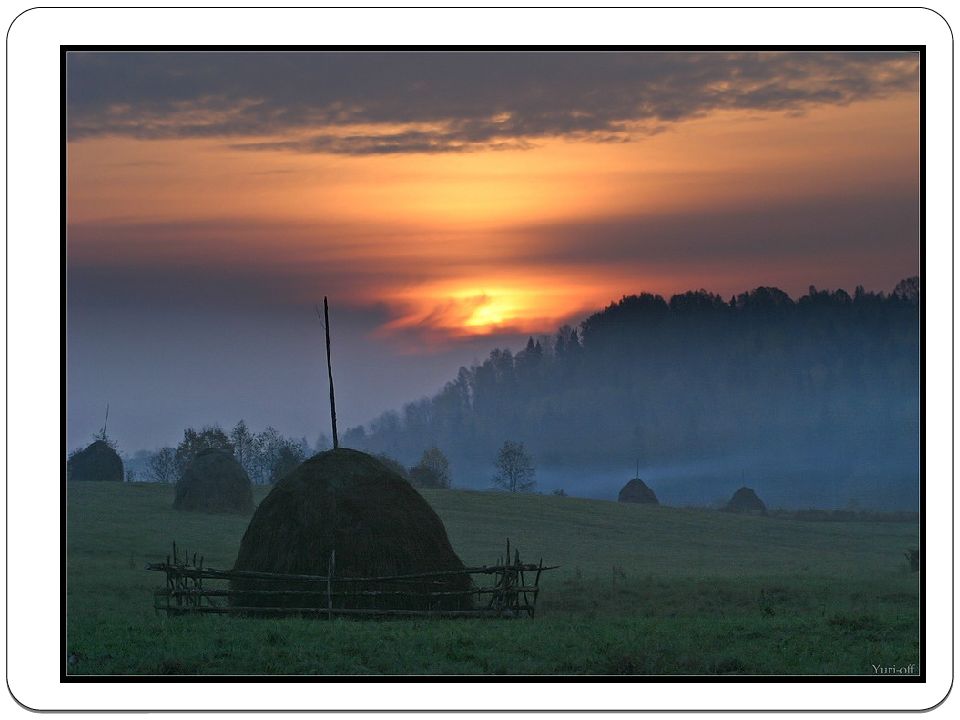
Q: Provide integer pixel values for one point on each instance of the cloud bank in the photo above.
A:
(380, 103)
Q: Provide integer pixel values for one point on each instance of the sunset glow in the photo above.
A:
(510, 304)
(441, 201)
(412, 220)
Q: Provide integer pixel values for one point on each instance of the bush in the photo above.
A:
(433, 470)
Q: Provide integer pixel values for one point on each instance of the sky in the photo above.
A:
(447, 203)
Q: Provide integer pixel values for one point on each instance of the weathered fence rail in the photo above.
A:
(511, 594)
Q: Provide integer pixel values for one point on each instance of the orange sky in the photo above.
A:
(438, 222)
(726, 158)
(448, 203)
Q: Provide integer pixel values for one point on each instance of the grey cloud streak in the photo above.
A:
(872, 240)
(881, 225)
(309, 101)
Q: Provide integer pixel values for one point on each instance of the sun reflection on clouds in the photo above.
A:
(492, 313)
(437, 314)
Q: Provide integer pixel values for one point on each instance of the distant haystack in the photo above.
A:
(97, 461)
(376, 523)
(636, 491)
(745, 500)
(214, 482)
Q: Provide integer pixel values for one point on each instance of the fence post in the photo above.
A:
(333, 559)
(510, 594)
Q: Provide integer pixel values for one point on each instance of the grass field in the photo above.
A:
(641, 590)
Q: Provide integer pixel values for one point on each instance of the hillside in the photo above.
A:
(816, 398)
(640, 590)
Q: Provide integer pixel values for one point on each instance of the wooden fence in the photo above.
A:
(511, 594)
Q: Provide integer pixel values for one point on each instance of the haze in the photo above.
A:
(447, 203)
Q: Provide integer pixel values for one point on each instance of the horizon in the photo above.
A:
(448, 204)
(518, 342)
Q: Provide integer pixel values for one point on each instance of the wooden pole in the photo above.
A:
(333, 403)
(333, 558)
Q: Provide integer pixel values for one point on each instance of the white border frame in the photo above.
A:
(33, 243)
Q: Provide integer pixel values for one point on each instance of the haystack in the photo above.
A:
(214, 482)
(637, 491)
(745, 500)
(97, 461)
(377, 524)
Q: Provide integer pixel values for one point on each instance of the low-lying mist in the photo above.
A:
(812, 403)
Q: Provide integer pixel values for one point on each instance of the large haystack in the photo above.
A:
(350, 502)
(97, 461)
(637, 491)
(745, 500)
(214, 482)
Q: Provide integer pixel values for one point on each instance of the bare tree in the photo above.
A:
(264, 454)
(163, 465)
(272, 456)
(433, 470)
(515, 469)
(287, 456)
(243, 442)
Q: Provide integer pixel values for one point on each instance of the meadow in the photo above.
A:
(640, 591)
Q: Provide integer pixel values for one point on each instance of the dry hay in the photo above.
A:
(350, 502)
(97, 461)
(745, 500)
(637, 491)
(214, 482)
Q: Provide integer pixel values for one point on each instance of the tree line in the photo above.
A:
(830, 375)
(266, 456)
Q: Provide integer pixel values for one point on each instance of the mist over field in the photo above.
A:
(464, 211)
(813, 403)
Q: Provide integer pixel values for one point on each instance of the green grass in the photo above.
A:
(640, 590)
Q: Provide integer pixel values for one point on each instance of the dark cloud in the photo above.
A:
(392, 143)
(823, 230)
(223, 264)
(850, 240)
(455, 101)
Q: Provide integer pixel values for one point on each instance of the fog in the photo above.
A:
(812, 403)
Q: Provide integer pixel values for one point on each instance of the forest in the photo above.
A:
(816, 399)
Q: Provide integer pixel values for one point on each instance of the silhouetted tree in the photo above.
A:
(285, 457)
(908, 290)
(244, 448)
(273, 456)
(194, 441)
(825, 376)
(433, 470)
(355, 437)
(162, 465)
(514, 468)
